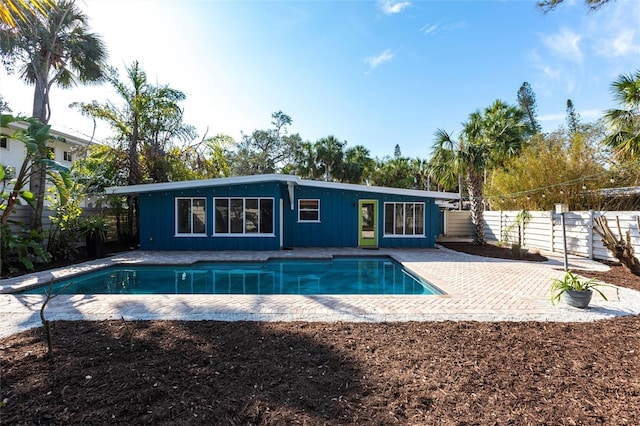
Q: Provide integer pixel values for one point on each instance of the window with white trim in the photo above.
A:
(67, 156)
(191, 216)
(4, 143)
(308, 210)
(243, 216)
(404, 219)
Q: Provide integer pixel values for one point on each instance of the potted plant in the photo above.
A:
(575, 291)
(95, 229)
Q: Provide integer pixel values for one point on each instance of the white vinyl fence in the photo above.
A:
(457, 223)
(543, 231)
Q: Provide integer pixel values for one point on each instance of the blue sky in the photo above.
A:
(373, 73)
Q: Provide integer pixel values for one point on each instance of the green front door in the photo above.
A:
(368, 223)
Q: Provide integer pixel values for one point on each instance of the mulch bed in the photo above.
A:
(494, 251)
(207, 372)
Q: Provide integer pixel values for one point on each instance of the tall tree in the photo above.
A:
(266, 151)
(393, 172)
(4, 105)
(573, 118)
(14, 10)
(558, 167)
(54, 47)
(527, 102)
(488, 139)
(330, 155)
(625, 122)
(396, 151)
(165, 127)
(445, 167)
(358, 165)
(305, 162)
(206, 159)
(148, 120)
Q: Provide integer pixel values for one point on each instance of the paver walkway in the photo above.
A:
(477, 288)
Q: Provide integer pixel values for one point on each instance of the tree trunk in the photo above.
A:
(474, 185)
(621, 248)
(38, 177)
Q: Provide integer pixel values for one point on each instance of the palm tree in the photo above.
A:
(358, 165)
(149, 118)
(305, 163)
(330, 155)
(488, 138)
(13, 10)
(54, 47)
(625, 123)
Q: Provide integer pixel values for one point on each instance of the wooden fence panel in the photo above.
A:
(538, 231)
(458, 223)
(543, 231)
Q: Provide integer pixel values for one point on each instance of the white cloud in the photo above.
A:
(430, 29)
(591, 114)
(551, 73)
(622, 44)
(552, 117)
(585, 115)
(566, 44)
(375, 61)
(391, 7)
(433, 29)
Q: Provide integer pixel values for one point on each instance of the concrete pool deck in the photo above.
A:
(477, 289)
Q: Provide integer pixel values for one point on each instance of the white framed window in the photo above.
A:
(404, 219)
(67, 156)
(4, 143)
(239, 216)
(191, 216)
(308, 210)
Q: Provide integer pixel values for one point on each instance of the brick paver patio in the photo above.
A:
(477, 288)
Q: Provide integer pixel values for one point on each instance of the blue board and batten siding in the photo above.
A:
(158, 218)
(337, 227)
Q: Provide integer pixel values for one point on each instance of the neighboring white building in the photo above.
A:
(13, 152)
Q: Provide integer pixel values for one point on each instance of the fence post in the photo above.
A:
(444, 219)
(590, 236)
(551, 231)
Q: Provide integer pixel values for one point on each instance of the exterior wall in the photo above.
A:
(158, 216)
(13, 155)
(338, 225)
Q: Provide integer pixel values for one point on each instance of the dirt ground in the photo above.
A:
(207, 372)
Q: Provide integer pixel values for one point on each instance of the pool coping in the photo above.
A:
(477, 289)
(41, 279)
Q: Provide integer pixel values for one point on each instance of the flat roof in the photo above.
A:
(289, 179)
(68, 138)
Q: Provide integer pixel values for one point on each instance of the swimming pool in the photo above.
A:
(349, 275)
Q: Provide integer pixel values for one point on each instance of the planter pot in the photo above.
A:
(577, 299)
(95, 246)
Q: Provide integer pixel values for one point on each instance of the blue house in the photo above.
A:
(270, 212)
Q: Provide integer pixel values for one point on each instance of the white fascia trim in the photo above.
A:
(295, 180)
(203, 183)
(380, 189)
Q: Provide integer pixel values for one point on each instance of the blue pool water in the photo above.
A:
(371, 275)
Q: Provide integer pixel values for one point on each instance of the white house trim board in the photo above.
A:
(289, 179)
